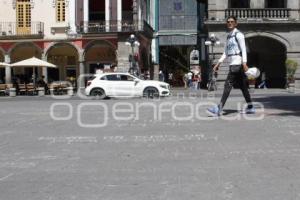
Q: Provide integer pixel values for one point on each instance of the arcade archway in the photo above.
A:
(99, 55)
(23, 51)
(269, 56)
(65, 56)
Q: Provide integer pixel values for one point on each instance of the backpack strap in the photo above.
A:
(237, 40)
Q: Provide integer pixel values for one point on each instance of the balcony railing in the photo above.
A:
(14, 29)
(267, 13)
(94, 27)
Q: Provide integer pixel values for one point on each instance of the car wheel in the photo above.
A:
(151, 92)
(98, 93)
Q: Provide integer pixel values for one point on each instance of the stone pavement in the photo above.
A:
(168, 149)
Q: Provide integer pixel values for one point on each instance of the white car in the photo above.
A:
(125, 85)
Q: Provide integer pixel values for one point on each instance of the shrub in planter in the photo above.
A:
(291, 68)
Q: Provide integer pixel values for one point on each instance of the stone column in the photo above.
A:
(140, 16)
(155, 40)
(119, 15)
(212, 6)
(294, 5)
(155, 51)
(72, 16)
(107, 15)
(155, 72)
(7, 70)
(221, 6)
(85, 15)
(44, 70)
(81, 78)
(135, 13)
(122, 57)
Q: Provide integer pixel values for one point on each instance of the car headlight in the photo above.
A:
(163, 86)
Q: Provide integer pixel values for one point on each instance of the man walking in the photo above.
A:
(235, 53)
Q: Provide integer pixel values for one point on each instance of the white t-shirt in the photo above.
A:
(234, 52)
(190, 75)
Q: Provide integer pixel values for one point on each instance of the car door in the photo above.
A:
(112, 82)
(127, 86)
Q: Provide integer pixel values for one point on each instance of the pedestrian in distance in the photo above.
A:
(185, 80)
(41, 83)
(196, 79)
(161, 76)
(199, 81)
(263, 81)
(190, 79)
(236, 55)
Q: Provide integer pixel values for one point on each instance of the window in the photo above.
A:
(23, 16)
(126, 78)
(60, 10)
(128, 7)
(103, 78)
(275, 3)
(112, 77)
(239, 4)
(96, 10)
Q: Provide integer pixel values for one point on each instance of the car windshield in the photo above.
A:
(90, 78)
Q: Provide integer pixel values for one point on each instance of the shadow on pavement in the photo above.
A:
(228, 111)
(289, 105)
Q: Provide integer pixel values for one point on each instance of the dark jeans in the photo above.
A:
(236, 78)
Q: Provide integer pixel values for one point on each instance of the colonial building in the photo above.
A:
(271, 28)
(79, 36)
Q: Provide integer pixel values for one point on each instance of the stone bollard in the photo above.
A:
(251, 88)
(70, 91)
(291, 88)
(41, 91)
(12, 92)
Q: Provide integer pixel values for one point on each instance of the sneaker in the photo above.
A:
(214, 110)
(250, 110)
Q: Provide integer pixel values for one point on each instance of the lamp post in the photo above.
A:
(133, 42)
(212, 41)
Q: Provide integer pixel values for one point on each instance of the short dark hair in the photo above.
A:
(231, 17)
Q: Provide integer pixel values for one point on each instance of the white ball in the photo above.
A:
(252, 73)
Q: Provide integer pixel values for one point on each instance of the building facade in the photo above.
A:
(180, 33)
(79, 36)
(271, 29)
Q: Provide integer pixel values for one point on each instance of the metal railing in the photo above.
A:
(269, 13)
(94, 27)
(13, 29)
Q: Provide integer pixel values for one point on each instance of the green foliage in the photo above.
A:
(291, 68)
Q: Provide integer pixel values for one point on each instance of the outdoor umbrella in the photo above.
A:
(3, 64)
(33, 62)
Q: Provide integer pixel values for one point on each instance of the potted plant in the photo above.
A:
(291, 68)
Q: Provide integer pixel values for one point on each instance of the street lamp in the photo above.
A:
(133, 42)
(212, 41)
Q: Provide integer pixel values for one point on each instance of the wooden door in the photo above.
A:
(23, 17)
